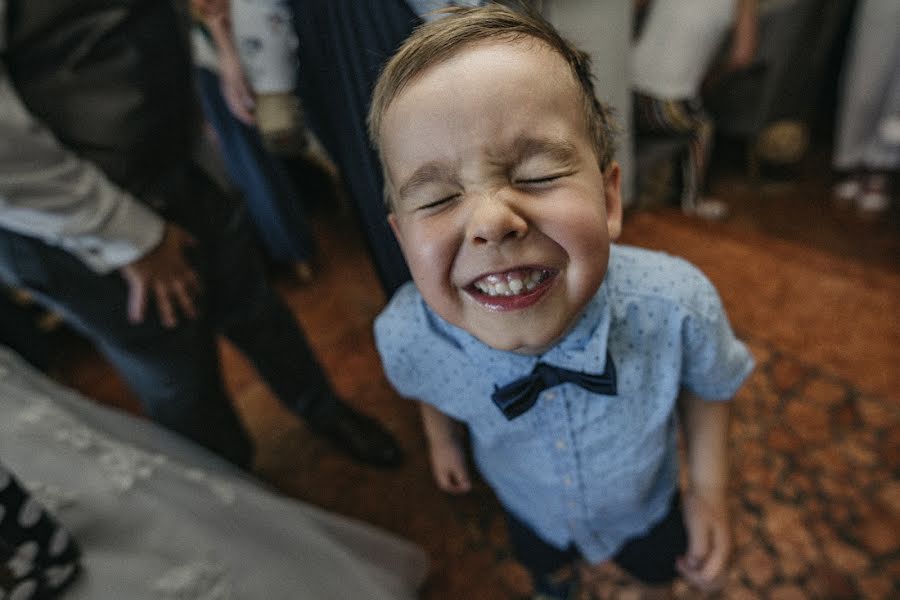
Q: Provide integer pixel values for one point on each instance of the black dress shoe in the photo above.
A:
(360, 436)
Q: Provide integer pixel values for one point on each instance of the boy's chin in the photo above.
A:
(518, 344)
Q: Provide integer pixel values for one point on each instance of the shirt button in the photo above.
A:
(549, 395)
(567, 481)
(560, 445)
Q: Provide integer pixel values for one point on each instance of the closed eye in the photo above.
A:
(537, 181)
(438, 203)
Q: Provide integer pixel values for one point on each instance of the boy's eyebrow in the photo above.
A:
(523, 148)
(427, 173)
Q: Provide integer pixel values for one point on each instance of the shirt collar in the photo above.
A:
(582, 349)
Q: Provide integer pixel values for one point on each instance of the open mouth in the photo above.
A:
(511, 290)
(511, 283)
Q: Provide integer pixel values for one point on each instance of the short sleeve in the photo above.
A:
(399, 370)
(393, 329)
(714, 362)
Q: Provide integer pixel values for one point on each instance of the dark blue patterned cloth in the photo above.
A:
(38, 558)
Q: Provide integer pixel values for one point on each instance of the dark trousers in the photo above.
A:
(176, 372)
(649, 558)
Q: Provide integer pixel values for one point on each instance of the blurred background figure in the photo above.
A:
(341, 45)
(244, 112)
(676, 44)
(867, 142)
(110, 217)
(776, 105)
(286, 63)
(603, 30)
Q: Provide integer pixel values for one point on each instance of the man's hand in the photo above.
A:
(745, 36)
(238, 94)
(237, 91)
(210, 8)
(448, 464)
(742, 54)
(709, 540)
(165, 273)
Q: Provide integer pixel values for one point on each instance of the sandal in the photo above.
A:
(711, 209)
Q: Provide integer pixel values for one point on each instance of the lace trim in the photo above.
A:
(122, 464)
(52, 497)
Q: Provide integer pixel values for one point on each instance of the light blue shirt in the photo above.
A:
(579, 467)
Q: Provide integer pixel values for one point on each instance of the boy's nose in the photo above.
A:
(494, 221)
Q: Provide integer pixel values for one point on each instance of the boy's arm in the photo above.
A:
(706, 426)
(448, 458)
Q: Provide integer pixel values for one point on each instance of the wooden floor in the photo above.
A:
(814, 288)
(795, 204)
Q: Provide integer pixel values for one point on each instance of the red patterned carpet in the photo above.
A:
(816, 436)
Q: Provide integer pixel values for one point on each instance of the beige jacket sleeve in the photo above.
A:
(48, 192)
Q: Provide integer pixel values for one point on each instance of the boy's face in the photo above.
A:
(499, 204)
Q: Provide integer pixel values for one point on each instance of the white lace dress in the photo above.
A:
(159, 518)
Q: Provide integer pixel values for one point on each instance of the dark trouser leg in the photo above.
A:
(543, 561)
(342, 47)
(274, 205)
(251, 314)
(651, 558)
(248, 311)
(175, 372)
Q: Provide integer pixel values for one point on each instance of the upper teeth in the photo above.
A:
(510, 284)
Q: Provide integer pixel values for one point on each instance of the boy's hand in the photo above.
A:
(709, 540)
(448, 464)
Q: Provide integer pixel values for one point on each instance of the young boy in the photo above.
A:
(565, 357)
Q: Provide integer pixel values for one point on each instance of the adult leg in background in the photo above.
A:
(175, 372)
(273, 203)
(248, 311)
(342, 46)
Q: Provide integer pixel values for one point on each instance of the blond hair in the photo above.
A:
(458, 28)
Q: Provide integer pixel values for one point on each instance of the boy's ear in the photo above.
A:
(392, 221)
(612, 196)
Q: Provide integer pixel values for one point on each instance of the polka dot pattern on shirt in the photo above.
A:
(579, 467)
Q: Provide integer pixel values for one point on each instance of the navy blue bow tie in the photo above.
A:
(517, 397)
